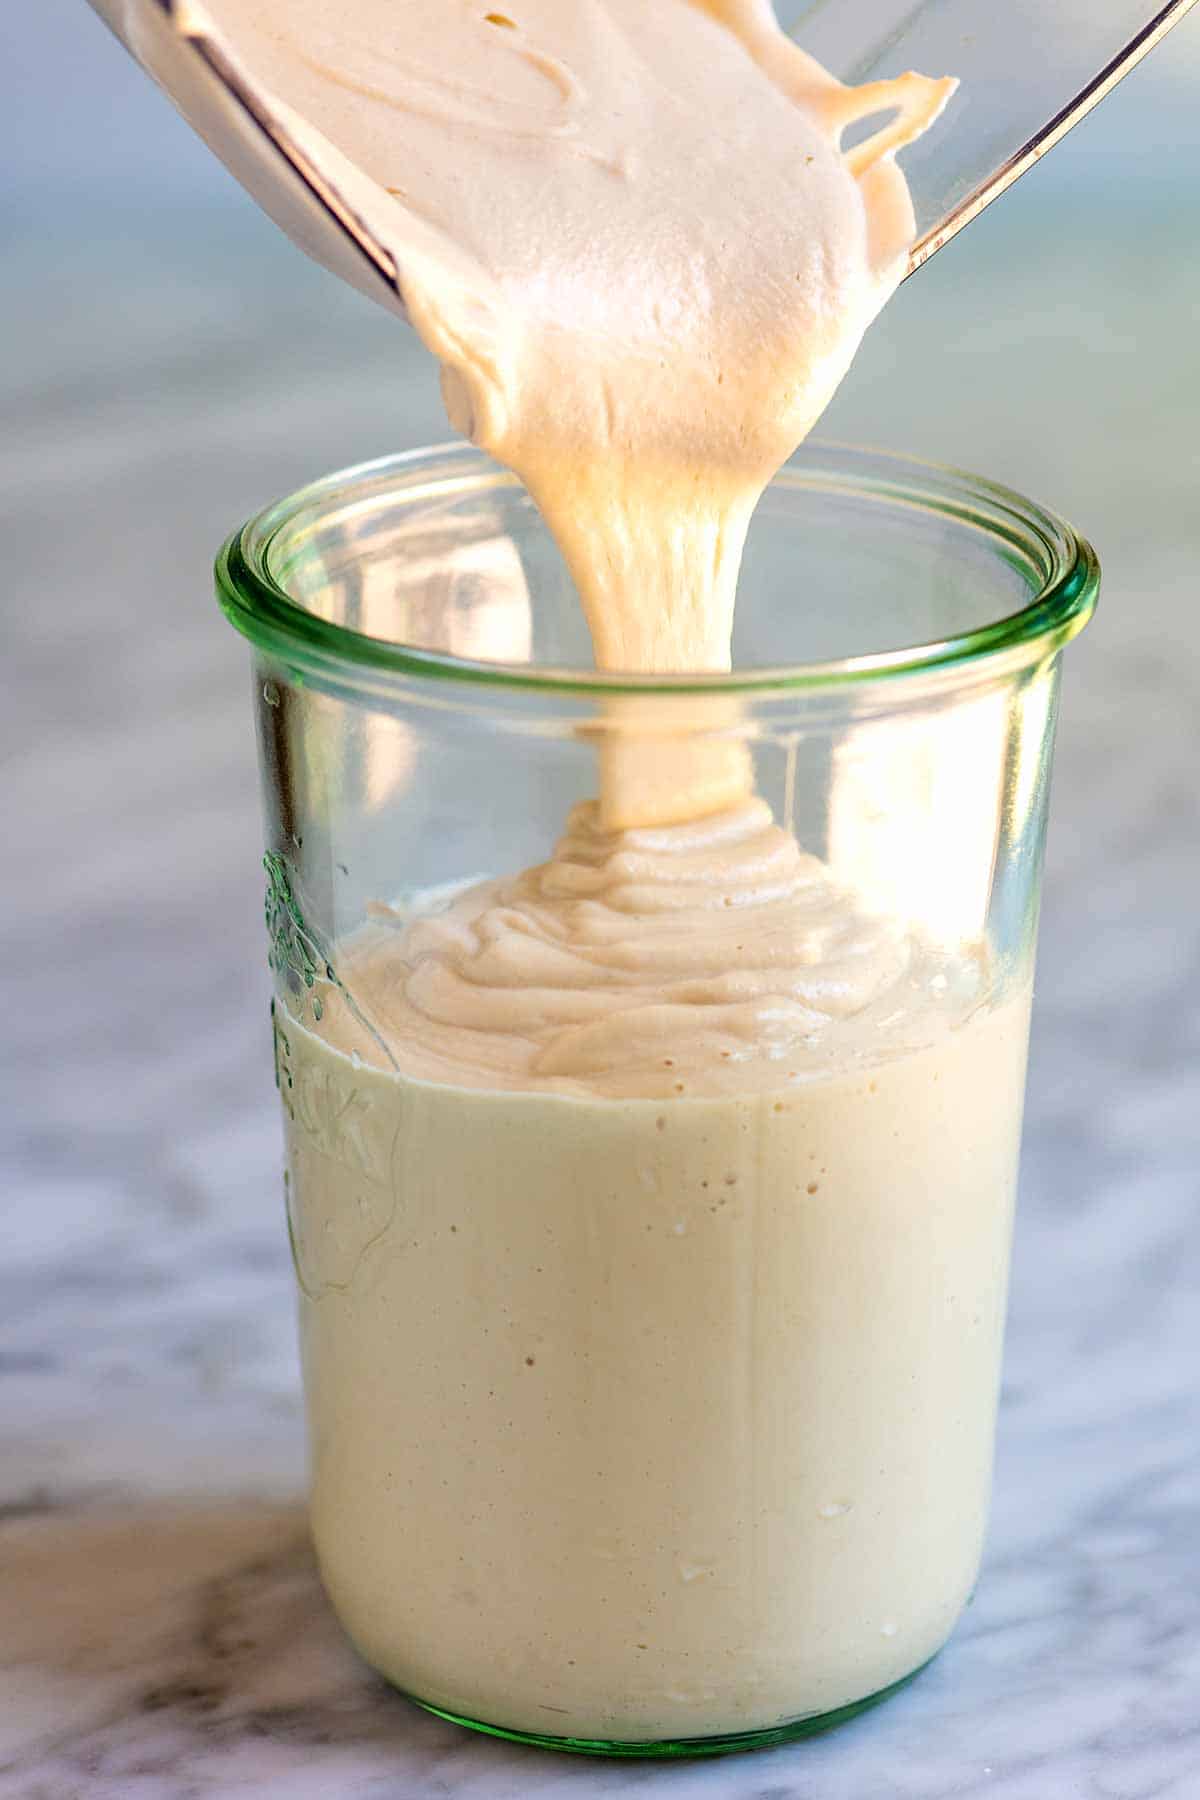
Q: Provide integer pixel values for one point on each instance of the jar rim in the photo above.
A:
(1021, 533)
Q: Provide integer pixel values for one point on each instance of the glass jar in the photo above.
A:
(652, 1395)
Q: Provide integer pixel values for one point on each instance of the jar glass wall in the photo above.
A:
(651, 1362)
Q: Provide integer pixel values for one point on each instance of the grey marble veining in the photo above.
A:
(162, 1632)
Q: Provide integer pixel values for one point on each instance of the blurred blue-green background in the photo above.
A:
(1052, 346)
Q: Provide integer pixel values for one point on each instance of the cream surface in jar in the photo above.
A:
(653, 1285)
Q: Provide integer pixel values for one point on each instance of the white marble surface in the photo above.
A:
(162, 1634)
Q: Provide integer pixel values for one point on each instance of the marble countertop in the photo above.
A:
(162, 1632)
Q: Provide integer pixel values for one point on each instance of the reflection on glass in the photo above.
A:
(914, 810)
(472, 603)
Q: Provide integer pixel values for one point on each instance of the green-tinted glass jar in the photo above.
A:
(655, 1421)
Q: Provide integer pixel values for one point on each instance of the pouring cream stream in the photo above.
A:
(629, 236)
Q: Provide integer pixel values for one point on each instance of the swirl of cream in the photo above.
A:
(695, 959)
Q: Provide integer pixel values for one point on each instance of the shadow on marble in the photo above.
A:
(164, 1652)
(139, 1643)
